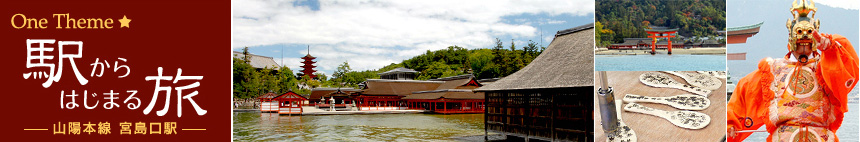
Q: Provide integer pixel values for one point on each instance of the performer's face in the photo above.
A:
(804, 48)
(803, 45)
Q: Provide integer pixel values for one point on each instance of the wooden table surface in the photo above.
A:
(652, 128)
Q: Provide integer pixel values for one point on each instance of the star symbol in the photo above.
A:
(124, 22)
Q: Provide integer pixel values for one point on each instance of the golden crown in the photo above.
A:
(803, 8)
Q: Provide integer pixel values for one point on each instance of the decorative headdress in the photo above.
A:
(803, 24)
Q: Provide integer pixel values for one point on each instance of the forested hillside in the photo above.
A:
(493, 62)
(619, 19)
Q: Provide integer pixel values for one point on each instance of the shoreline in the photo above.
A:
(678, 51)
(340, 112)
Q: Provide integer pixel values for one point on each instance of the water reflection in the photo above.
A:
(252, 126)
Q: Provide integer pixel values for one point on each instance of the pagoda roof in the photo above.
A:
(308, 56)
(399, 70)
(567, 62)
(309, 72)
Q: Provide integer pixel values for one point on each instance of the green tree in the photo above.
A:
(340, 75)
(603, 37)
(437, 70)
(287, 80)
(241, 73)
(246, 84)
(498, 45)
(310, 82)
(389, 67)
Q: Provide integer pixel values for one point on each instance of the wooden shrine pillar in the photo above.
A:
(653, 45)
(670, 44)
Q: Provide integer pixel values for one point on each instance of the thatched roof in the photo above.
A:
(567, 62)
(258, 61)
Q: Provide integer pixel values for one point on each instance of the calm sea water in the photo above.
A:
(254, 126)
(847, 133)
(660, 62)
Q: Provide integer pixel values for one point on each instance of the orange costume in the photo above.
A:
(797, 101)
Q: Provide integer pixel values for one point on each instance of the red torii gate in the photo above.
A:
(661, 33)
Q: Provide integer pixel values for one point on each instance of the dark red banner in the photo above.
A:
(116, 70)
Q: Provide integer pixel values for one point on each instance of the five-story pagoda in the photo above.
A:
(308, 64)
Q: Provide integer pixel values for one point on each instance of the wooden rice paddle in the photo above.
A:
(654, 79)
(685, 102)
(699, 80)
(683, 119)
(718, 74)
(624, 132)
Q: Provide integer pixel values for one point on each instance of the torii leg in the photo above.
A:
(670, 45)
(653, 46)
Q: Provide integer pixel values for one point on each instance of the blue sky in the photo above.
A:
(372, 34)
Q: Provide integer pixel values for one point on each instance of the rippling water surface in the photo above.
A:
(660, 62)
(255, 126)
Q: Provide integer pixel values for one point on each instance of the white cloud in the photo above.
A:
(292, 63)
(547, 40)
(371, 34)
(551, 21)
(846, 4)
